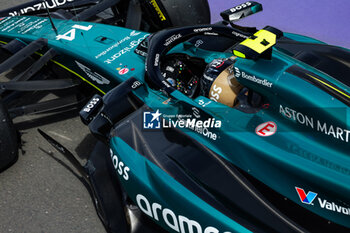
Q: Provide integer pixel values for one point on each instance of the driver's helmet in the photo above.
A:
(219, 83)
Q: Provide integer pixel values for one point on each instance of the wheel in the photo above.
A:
(160, 14)
(187, 12)
(8, 140)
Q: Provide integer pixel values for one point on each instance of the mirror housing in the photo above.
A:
(241, 11)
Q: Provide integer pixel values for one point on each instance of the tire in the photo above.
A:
(8, 140)
(187, 12)
(160, 14)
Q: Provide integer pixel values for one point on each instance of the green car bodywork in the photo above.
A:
(310, 149)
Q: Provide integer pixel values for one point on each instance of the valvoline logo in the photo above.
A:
(323, 203)
(306, 198)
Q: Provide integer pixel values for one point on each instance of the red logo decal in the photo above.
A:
(266, 106)
(123, 71)
(266, 129)
(218, 66)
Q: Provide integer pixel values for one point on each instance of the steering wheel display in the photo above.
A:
(180, 76)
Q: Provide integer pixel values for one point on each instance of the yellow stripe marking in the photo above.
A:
(157, 8)
(64, 67)
(324, 83)
(238, 54)
(73, 72)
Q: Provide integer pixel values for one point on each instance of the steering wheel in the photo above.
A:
(162, 42)
(180, 72)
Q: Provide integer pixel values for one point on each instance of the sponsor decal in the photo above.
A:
(142, 48)
(200, 127)
(306, 198)
(204, 103)
(240, 7)
(202, 29)
(136, 85)
(119, 166)
(215, 93)
(118, 43)
(6, 20)
(172, 39)
(152, 120)
(144, 44)
(157, 8)
(297, 150)
(266, 129)
(10, 24)
(196, 112)
(70, 35)
(211, 34)
(220, 64)
(237, 72)
(134, 33)
(242, 74)
(156, 60)
(239, 35)
(93, 75)
(217, 63)
(21, 25)
(125, 50)
(266, 106)
(40, 6)
(91, 104)
(34, 25)
(198, 43)
(323, 127)
(323, 203)
(123, 71)
(178, 223)
(141, 53)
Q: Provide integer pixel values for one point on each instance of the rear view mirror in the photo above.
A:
(241, 11)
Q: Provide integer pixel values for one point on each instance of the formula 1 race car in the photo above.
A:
(210, 128)
(22, 51)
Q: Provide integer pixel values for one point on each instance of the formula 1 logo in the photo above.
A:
(151, 120)
(306, 198)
